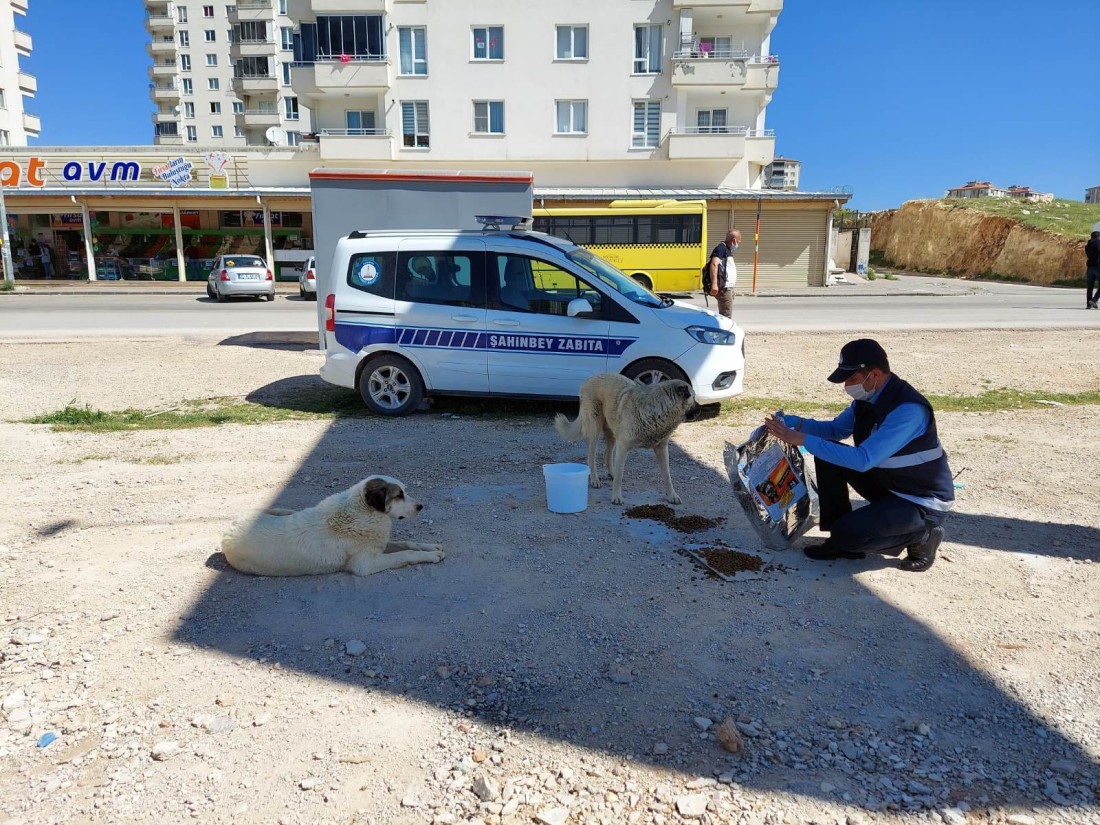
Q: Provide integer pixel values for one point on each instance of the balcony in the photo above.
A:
(331, 77)
(251, 48)
(747, 6)
(165, 91)
(255, 84)
(692, 69)
(169, 116)
(164, 68)
(28, 84)
(32, 124)
(725, 142)
(356, 144)
(19, 6)
(248, 10)
(23, 42)
(256, 118)
(161, 47)
(159, 22)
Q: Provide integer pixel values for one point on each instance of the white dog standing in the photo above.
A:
(347, 531)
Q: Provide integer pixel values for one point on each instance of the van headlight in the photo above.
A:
(710, 335)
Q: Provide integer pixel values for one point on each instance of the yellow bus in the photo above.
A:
(661, 244)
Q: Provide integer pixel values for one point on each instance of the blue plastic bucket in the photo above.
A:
(566, 487)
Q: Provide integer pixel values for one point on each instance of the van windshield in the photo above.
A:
(612, 277)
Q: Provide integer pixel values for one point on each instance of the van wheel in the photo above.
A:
(653, 371)
(390, 385)
(643, 279)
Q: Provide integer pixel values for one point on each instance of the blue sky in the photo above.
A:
(897, 99)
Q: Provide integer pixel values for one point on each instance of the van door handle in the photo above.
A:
(464, 319)
(506, 323)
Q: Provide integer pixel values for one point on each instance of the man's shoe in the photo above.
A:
(921, 556)
(826, 552)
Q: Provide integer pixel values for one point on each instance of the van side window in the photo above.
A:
(531, 285)
(372, 272)
(451, 278)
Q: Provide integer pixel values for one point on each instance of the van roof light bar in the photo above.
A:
(503, 221)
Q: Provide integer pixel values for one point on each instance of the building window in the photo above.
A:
(359, 123)
(292, 139)
(211, 60)
(253, 67)
(282, 7)
(207, 11)
(189, 110)
(185, 62)
(647, 49)
(721, 47)
(286, 73)
(352, 35)
(286, 38)
(414, 124)
(192, 134)
(647, 124)
(215, 108)
(488, 117)
(488, 43)
(185, 85)
(230, 10)
(238, 107)
(210, 36)
(572, 43)
(571, 117)
(250, 32)
(238, 131)
(181, 14)
(5, 137)
(3, 100)
(290, 108)
(413, 46)
(216, 131)
(185, 39)
(212, 84)
(711, 121)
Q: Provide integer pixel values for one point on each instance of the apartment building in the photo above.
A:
(220, 74)
(615, 93)
(16, 123)
(783, 173)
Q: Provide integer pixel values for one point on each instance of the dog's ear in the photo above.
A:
(374, 494)
(683, 390)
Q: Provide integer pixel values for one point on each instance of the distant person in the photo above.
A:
(1092, 271)
(47, 260)
(897, 464)
(723, 272)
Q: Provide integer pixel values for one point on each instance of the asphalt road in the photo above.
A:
(990, 306)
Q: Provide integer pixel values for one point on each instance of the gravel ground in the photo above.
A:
(553, 668)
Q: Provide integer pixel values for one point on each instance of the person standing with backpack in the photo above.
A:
(723, 272)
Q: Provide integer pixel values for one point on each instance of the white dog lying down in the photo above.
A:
(347, 531)
(628, 414)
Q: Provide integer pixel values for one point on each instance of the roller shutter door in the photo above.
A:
(792, 248)
(719, 221)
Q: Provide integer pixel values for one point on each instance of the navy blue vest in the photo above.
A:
(920, 467)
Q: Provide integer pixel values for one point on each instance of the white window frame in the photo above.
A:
(483, 117)
(710, 127)
(290, 103)
(573, 106)
(363, 116)
(181, 14)
(185, 39)
(572, 48)
(215, 107)
(486, 32)
(282, 7)
(210, 36)
(720, 46)
(642, 139)
(211, 60)
(213, 85)
(422, 131)
(189, 109)
(3, 100)
(5, 137)
(648, 49)
(217, 131)
(238, 131)
(418, 61)
(185, 62)
(192, 134)
(286, 38)
(208, 11)
(238, 107)
(186, 87)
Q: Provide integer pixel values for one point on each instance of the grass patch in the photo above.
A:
(1071, 218)
(990, 275)
(157, 459)
(871, 275)
(1073, 282)
(889, 276)
(6, 285)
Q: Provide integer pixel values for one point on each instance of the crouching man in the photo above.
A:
(897, 464)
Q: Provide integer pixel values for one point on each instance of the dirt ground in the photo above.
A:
(552, 668)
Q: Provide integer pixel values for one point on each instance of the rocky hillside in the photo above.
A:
(931, 236)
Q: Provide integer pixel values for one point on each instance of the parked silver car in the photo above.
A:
(307, 280)
(234, 275)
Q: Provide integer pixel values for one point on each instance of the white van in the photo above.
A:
(505, 312)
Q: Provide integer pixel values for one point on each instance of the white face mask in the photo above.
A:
(734, 246)
(858, 392)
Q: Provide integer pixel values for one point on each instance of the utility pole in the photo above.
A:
(9, 269)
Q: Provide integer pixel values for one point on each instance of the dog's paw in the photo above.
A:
(616, 499)
(594, 481)
(675, 499)
(437, 555)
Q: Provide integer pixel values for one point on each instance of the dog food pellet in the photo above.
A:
(728, 562)
(666, 515)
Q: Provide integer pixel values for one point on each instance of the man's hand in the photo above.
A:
(714, 291)
(776, 427)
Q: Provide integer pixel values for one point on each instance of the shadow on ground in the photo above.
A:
(615, 642)
(282, 340)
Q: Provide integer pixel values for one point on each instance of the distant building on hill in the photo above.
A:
(985, 189)
(1092, 194)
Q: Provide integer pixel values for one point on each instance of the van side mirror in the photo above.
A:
(578, 306)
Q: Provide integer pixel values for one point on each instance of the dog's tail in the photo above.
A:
(569, 430)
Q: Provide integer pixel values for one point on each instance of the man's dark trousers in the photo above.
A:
(1092, 284)
(887, 524)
